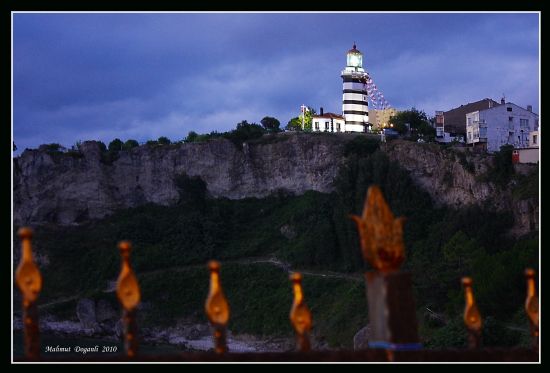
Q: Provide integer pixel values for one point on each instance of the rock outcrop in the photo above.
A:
(66, 189)
(63, 189)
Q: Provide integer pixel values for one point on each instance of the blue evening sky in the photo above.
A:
(99, 76)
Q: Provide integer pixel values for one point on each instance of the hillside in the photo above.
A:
(262, 225)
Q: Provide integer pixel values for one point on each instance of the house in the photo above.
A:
(504, 124)
(328, 122)
(451, 125)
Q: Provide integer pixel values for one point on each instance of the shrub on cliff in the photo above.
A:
(244, 131)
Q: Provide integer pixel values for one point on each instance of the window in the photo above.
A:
(509, 109)
(469, 121)
(534, 139)
(317, 126)
(337, 127)
(326, 126)
(524, 123)
(510, 119)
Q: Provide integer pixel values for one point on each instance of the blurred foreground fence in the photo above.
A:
(391, 308)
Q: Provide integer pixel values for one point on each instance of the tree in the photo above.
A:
(102, 146)
(129, 144)
(163, 140)
(14, 146)
(245, 131)
(271, 124)
(115, 145)
(191, 136)
(412, 120)
(295, 124)
(308, 118)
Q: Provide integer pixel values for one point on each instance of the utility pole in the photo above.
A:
(303, 107)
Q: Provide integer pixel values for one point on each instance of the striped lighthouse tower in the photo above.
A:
(355, 104)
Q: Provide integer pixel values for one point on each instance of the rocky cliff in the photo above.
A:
(67, 189)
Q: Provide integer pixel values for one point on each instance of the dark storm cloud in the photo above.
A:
(101, 76)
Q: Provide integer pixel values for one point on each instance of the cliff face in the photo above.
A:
(442, 174)
(63, 189)
(452, 177)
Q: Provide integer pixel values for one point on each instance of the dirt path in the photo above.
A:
(269, 260)
(111, 286)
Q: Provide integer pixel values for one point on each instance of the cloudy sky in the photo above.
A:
(100, 76)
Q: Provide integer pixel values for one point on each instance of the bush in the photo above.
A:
(502, 168)
(163, 140)
(115, 145)
(244, 131)
(130, 144)
(361, 146)
(527, 186)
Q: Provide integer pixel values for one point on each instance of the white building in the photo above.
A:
(355, 95)
(328, 122)
(505, 124)
(529, 154)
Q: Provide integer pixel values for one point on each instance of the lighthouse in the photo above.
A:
(355, 104)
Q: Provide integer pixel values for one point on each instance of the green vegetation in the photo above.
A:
(502, 170)
(163, 140)
(415, 123)
(271, 124)
(130, 144)
(173, 243)
(463, 160)
(527, 186)
(115, 145)
(305, 118)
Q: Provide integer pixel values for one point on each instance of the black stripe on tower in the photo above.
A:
(348, 79)
(356, 112)
(364, 103)
(355, 91)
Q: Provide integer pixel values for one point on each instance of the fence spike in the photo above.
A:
(128, 294)
(217, 308)
(300, 316)
(29, 281)
(532, 306)
(472, 317)
(380, 233)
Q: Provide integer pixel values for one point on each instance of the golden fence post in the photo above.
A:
(128, 294)
(532, 306)
(300, 316)
(217, 308)
(472, 317)
(391, 303)
(29, 281)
